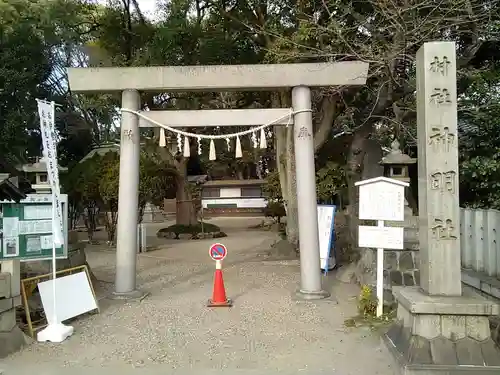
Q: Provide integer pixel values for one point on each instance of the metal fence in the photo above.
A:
(480, 240)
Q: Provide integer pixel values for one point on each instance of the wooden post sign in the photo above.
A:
(381, 199)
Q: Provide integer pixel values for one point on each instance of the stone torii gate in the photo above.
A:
(299, 77)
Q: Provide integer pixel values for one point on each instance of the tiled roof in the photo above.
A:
(219, 183)
(10, 192)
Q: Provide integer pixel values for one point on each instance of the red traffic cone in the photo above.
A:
(219, 298)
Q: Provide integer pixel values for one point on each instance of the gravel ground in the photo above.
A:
(172, 331)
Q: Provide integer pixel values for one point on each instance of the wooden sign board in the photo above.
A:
(381, 237)
(381, 198)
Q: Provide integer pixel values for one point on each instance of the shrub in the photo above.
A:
(276, 210)
(193, 230)
(367, 302)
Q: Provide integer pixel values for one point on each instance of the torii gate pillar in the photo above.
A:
(298, 77)
(128, 199)
(310, 277)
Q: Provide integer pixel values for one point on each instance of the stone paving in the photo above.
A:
(172, 332)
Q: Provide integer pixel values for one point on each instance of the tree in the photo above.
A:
(272, 188)
(156, 182)
(24, 68)
(92, 187)
(330, 183)
(480, 139)
(387, 35)
(267, 27)
(109, 181)
(82, 186)
(38, 40)
(125, 38)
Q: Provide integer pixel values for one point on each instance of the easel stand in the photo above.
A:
(55, 332)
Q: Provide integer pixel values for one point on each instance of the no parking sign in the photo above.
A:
(217, 251)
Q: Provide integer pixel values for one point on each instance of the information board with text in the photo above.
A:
(26, 228)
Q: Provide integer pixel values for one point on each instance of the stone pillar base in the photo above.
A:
(443, 335)
(130, 296)
(312, 296)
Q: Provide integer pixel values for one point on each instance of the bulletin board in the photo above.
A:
(26, 228)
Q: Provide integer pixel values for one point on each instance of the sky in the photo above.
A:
(147, 6)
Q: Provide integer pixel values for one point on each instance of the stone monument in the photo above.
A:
(439, 330)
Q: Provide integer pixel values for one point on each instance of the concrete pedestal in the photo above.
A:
(11, 337)
(132, 295)
(312, 296)
(443, 335)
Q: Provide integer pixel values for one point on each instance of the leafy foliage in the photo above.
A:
(156, 182)
(109, 174)
(24, 67)
(272, 188)
(480, 141)
(330, 182)
(82, 186)
(367, 301)
(93, 185)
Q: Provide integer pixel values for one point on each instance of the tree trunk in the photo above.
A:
(111, 218)
(140, 215)
(285, 160)
(74, 214)
(288, 182)
(90, 214)
(185, 211)
(280, 149)
(292, 214)
(354, 170)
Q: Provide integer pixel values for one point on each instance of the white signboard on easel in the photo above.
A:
(326, 216)
(381, 199)
(74, 290)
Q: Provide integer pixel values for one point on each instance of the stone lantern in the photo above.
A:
(396, 163)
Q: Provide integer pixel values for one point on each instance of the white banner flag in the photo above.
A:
(47, 128)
